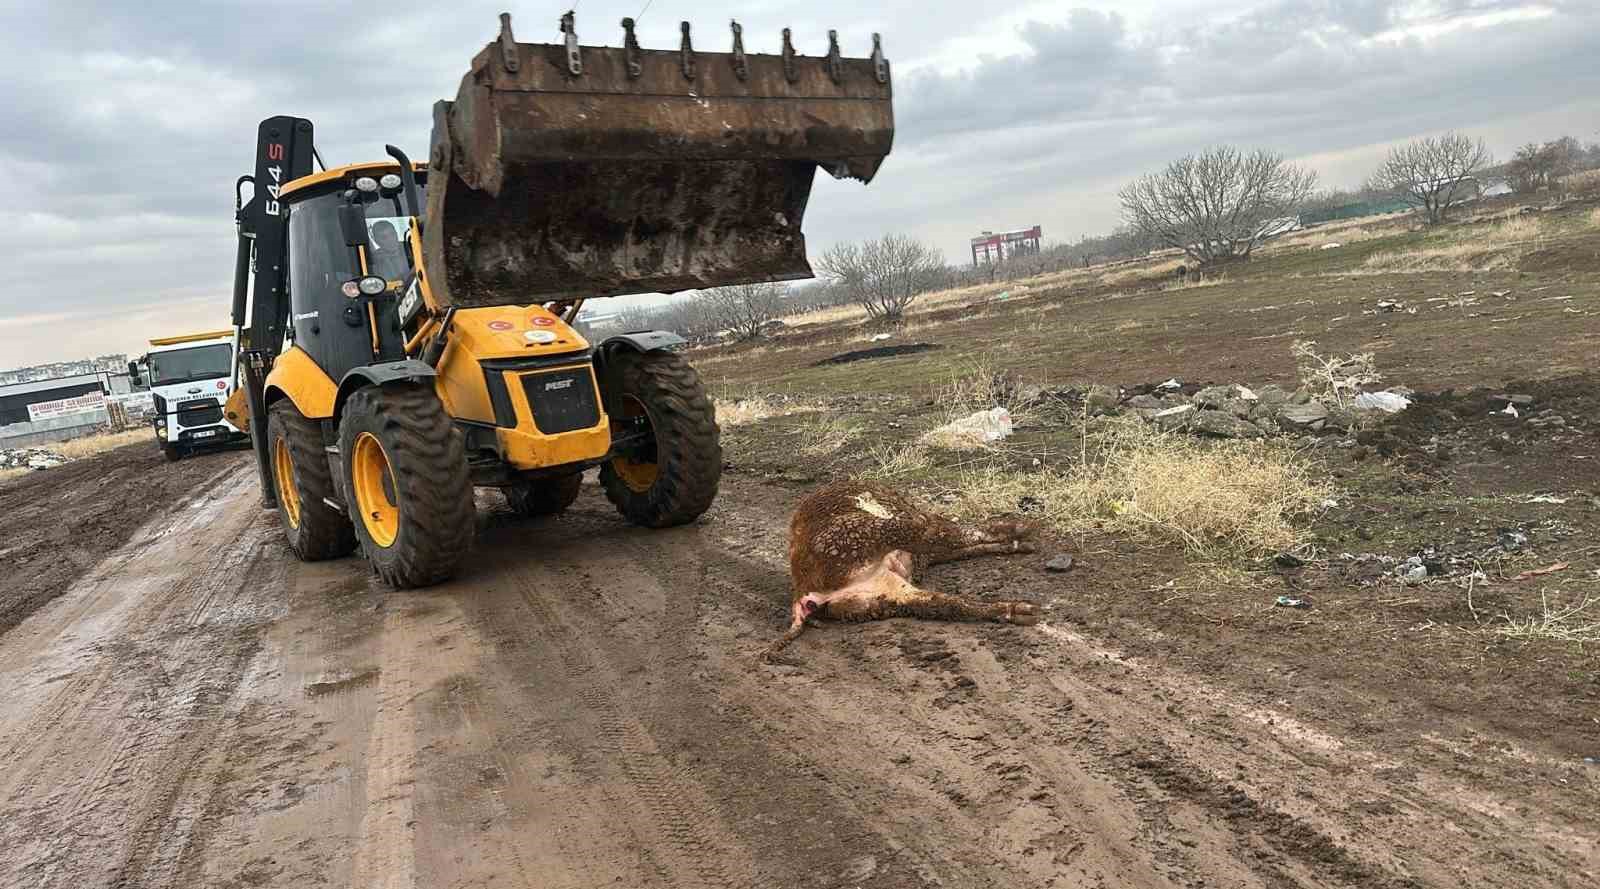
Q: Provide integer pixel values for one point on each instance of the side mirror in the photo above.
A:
(353, 225)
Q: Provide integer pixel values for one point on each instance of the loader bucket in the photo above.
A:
(562, 171)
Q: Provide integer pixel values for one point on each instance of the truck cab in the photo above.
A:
(190, 378)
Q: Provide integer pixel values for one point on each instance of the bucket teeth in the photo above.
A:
(562, 170)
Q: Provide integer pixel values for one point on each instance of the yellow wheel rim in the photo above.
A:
(283, 475)
(373, 481)
(637, 475)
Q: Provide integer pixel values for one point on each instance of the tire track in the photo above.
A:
(676, 811)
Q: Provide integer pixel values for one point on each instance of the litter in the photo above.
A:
(1334, 246)
(880, 337)
(1540, 572)
(1545, 498)
(1287, 602)
(1388, 402)
(981, 427)
(1171, 384)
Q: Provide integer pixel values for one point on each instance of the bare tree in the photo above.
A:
(886, 275)
(1216, 205)
(744, 309)
(1435, 173)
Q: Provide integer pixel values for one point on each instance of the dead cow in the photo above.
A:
(853, 547)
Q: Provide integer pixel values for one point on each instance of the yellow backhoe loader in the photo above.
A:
(407, 328)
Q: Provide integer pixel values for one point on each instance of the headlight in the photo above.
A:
(390, 181)
(372, 285)
(367, 184)
(161, 432)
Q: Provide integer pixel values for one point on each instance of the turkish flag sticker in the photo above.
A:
(499, 325)
(542, 321)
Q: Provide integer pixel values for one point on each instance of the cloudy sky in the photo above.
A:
(123, 125)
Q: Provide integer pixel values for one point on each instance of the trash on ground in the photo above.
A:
(1059, 564)
(1388, 402)
(880, 337)
(980, 427)
(1540, 572)
(1545, 498)
(1290, 602)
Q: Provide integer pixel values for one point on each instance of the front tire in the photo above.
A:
(172, 453)
(405, 467)
(545, 496)
(303, 478)
(672, 478)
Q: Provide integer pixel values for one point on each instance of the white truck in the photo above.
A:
(190, 378)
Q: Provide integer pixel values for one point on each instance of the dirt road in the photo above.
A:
(583, 708)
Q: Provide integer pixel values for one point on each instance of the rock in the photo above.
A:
(1029, 393)
(1547, 421)
(1301, 395)
(1271, 394)
(1103, 398)
(1059, 564)
(1222, 424)
(1214, 396)
(1147, 403)
(1308, 415)
(1174, 417)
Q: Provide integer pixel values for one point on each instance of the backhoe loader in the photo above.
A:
(406, 328)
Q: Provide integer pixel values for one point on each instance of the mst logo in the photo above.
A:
(553, 385)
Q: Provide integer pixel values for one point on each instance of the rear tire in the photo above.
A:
(302, 476)
(405, 466)
(674, 480)
(545, 496)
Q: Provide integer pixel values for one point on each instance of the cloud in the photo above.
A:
(125, 125)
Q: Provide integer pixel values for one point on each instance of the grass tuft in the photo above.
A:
(825, 434)
(1566, 623)
(733, 412)
(1218, 500)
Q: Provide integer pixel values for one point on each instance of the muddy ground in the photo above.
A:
(187, 705)
(58, 523)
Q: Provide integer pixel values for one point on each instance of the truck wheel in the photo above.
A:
(405, 466)
(172, 453)
(301, 473)
(545, 496)
(670, 476)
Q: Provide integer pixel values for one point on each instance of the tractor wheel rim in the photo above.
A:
(283, 474)
(373, 482)
(638, 475)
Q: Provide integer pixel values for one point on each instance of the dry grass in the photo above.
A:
(1191, 283)
(1581, 183)
(1564, 623)
(12, 473)
(1334, 379)
(1139, 271)
(1349, 231)
(889, 461)
(734, 412)
(825, 435)
(1233, 498)
(1484, 248)
(90, 445)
